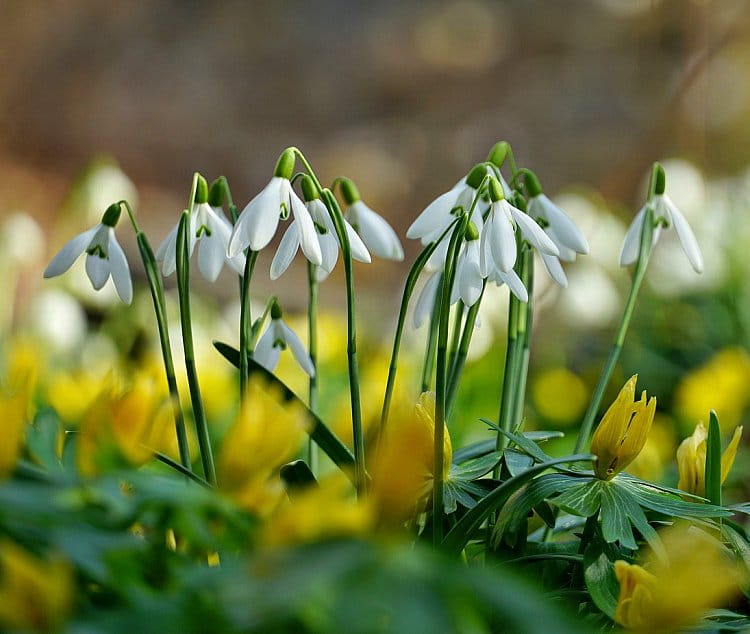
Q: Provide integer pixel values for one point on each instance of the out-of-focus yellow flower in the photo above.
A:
(71, 394)
(720, 384)
(622, 432)
(691, 459)
(657, 453)
(560, 395)
(672, 590)
(323, 511)
(35, 594)
(125, 421)
(266, 433)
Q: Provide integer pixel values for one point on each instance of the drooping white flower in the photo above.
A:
(327, 238)
(666, 214)
(210, 230)
(468, 279)
(498, 247)
(277, 337)
(104, 256)
(377, 235)
(257, 223)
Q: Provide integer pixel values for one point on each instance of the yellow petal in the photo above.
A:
(727, 459)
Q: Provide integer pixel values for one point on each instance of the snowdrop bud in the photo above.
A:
(309, 191)
(201, 190)
(498, 153)
(275, 311)
(349, 191)
(476, 176)
(659, 179)
(472, 233)
(533, 186)
(496, 190)
(112, 215)
(285, 164)
(216, 193)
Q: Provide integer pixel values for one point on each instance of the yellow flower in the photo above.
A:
(622, 432)
(672, 590)
(560, 395)
(35, 594)
(266, 433)
(691, 459)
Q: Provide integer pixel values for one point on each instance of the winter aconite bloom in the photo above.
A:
(691, 459)
(673, 589)
(104, 256)
(210, 230)
(622, 431)
(257, 223)
(666, 215)
(378, 236)
(275, 339)
(327, 237)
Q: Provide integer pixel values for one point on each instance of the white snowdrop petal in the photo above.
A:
(514, 284)
(566, 230)
(687, 237)
(502, 241)
(378, 236)
(426, 300)
(69, 253)
(471, 277)
(632, 242)
(308, 236)
(120, 270)
(211, 255)
(257, 223)
(534, 233)
(329, 250)
(265, 353)
(435, 217)
(97, 268)
(298, 350)
(286, 251)
(555, 269)
(359, 250)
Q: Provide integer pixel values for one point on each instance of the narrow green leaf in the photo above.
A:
(297, 476)
(337, 451)
(668, 504)
(460, 534)
(42, 438)
(614, 519)
(476, 468)
(583, 499)
(713, 461)
(474, 450)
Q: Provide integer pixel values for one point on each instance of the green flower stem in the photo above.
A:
(359, 446)
(160, 310)
(644, 254)
(441, 377)
(455, 335)
(411, 281)
(183, 290)
(457, 367)
(524, 335)
(430, 347)
(246, 347)
(312, 348)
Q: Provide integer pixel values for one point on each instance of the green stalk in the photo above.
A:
(312, 348)
(644, 255)
(246, 319)
(457, 367)
(455, 336)
(430, 347)
(183, 290)
(411, 281)
(524, 336)
(441, 378)
(346, 252)
(160, 311)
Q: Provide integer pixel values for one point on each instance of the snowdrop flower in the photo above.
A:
(515, 284)
(498, 246)
(275, 339)
(666, 214)
(210, 229)
(257, 223)
(327, 237)
(468, 281)
(104, 256)
(377, 235)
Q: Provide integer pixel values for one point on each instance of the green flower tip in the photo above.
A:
(496, 190)
(216, 193)
(658, 179)
(275, 310)
(475, 177)
(498, 153)
(349, 191)
(533, 186)
(285, 164)
(472, 233)
(112, 215)
(201, 190)
(309, 191)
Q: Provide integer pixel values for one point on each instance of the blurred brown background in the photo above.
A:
(402, 96)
